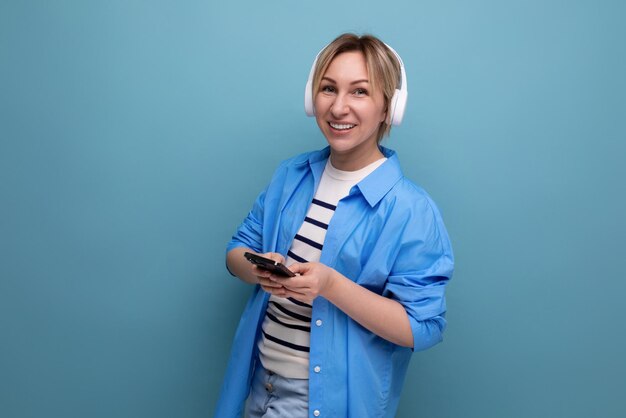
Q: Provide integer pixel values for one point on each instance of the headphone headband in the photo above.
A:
(397, 105)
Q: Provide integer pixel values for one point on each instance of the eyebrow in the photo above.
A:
(364, 80)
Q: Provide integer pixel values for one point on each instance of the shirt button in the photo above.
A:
(316, 412)
(317, 369)
(269, 387)
(318, 322)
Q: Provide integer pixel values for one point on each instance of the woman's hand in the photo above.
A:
(371, 310)
(385, 317)
(311, 281)
(263, 276)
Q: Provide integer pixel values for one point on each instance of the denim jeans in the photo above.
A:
(273, 396)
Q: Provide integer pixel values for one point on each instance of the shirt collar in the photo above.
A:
(373, 187)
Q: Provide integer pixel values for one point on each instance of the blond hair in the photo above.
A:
(383, 68)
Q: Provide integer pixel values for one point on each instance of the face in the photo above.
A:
(349, 112)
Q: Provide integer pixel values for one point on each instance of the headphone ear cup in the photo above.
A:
(308, 99)
(309, 108)
(392, 108)
(397, 107)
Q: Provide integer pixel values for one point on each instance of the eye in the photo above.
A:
(327, 89)
(360, 92)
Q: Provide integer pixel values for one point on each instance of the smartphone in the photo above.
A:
(270, 265)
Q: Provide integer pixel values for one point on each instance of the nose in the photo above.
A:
(339, 107)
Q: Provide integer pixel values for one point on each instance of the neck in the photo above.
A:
(352, 162)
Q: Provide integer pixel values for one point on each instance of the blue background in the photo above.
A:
(135, 135)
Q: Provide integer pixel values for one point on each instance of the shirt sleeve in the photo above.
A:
(250, 232)
(421, 269)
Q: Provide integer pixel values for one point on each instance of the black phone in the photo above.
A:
(270, 265)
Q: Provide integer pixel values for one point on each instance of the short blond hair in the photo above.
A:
(382, 65)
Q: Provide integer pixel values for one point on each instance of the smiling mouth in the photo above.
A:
(341, 126)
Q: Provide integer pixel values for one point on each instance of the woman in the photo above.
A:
(369, 249)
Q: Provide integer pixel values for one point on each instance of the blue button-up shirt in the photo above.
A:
(388, 236)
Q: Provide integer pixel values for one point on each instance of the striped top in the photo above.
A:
(286, 330)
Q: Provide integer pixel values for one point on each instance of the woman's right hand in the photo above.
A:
(246, 271)
(263, 275)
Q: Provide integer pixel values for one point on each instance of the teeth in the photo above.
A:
(341, 126)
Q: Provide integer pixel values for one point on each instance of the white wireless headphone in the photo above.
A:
(396, 106)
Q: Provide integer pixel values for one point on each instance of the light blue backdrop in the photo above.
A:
(134, 136)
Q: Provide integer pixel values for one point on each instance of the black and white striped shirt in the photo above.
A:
(285, 340)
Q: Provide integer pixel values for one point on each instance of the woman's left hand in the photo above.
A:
(384, 316)
(311, 281)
